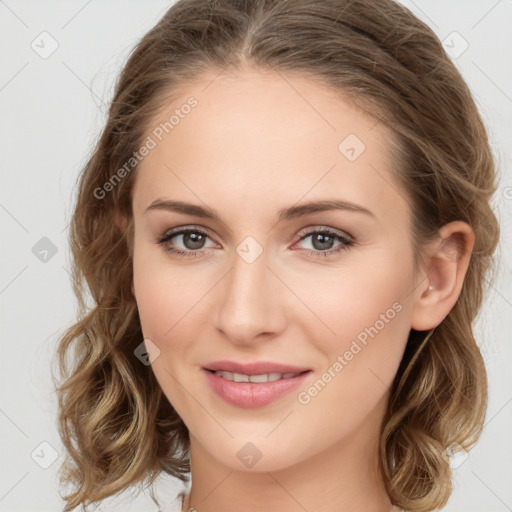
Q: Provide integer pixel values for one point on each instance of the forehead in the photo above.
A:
(265, 140)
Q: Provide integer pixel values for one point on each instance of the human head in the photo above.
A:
(390, 65)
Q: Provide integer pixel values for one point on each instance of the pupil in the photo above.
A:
(325, 241)
(195, 239)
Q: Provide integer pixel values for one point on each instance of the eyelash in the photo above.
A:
(346, 242)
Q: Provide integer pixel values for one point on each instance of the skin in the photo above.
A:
(252, 146)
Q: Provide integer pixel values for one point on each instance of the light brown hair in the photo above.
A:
(116, 424)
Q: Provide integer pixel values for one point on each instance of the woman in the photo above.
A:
(285, 228)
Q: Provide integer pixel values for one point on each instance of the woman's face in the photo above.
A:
(263, 278)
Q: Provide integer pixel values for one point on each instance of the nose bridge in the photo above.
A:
(249, 298)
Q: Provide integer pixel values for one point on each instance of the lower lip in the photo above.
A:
(251, 395)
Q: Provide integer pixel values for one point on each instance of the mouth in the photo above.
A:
(255, 368)
(253, 390)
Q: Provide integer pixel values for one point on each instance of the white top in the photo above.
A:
(174, 505)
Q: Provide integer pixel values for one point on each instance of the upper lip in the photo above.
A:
(254, 368)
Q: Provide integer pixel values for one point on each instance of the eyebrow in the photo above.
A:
(291, 212)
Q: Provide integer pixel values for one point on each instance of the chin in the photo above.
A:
(253, 455)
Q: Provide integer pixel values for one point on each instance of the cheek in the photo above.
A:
(360, 364)
(155, 306)
(166, 295)
(367, 312)
(367, 297)
(164, 302)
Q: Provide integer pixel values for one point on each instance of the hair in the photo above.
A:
(117, 426)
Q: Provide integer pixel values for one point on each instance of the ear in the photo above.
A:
(121, 222)
(446, 263)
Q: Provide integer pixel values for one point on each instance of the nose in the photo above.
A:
(251, 303)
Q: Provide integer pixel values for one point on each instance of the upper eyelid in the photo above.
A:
(180, 230)
(319, 228)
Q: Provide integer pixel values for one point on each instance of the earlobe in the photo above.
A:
(447, 261)
(120, 221)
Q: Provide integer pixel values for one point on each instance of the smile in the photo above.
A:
(253, 391)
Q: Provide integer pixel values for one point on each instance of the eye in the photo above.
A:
(192, 238)
(322, 240)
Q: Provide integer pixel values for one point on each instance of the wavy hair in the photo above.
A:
(117, 426)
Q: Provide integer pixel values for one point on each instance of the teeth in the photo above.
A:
(238, 377)
(266, 377)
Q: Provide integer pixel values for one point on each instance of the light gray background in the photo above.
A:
(52, 110)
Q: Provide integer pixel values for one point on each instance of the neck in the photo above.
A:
(344, 477)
